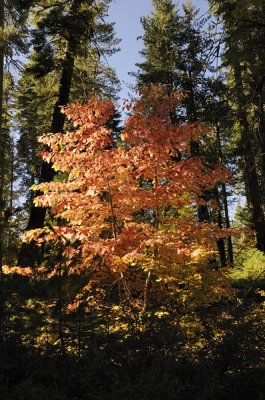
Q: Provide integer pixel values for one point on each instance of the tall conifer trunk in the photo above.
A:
(224, 201)
(202, 210)
(250, 173)
(37, 214)
(260, 135)
(28, 253)
(2, 142)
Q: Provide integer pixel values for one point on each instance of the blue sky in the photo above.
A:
(126, 15)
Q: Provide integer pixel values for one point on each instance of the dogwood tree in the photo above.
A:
(130, 204)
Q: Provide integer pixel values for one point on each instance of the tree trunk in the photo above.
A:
(2, 141)
(146, 290)
(224, 200)
(250, 173)
(29, 253)
(220, 242)
(260, 135)
(37, 214)
(60, 312)
(202, 210)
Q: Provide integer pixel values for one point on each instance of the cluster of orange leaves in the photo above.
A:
(122, 202)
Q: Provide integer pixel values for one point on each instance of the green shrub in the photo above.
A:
(249, 268)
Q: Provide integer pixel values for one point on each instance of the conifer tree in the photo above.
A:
(69, 45)
(244, 58)
(12, 43)
(178, 52)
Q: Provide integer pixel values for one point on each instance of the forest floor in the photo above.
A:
(149, 367)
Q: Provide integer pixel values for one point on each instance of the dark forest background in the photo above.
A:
(189, 344)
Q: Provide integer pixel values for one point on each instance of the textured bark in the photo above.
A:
(225, 201)
(2, 142)
(202, 210)
(250, 172)
(227, 224)
(37, 214)
(220, 242)
(29, 253)
(260, 134)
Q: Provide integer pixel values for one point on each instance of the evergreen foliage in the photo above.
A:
(243, 36)
(178, 50)
(132, 289)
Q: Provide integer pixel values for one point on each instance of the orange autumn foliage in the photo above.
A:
(132, 203)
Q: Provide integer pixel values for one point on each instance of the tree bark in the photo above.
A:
(224, 200)
(37, 214)
(202, 210)
(2, 141)
(260, 134)
(250, 172)
(29, 253)
(220, 242)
